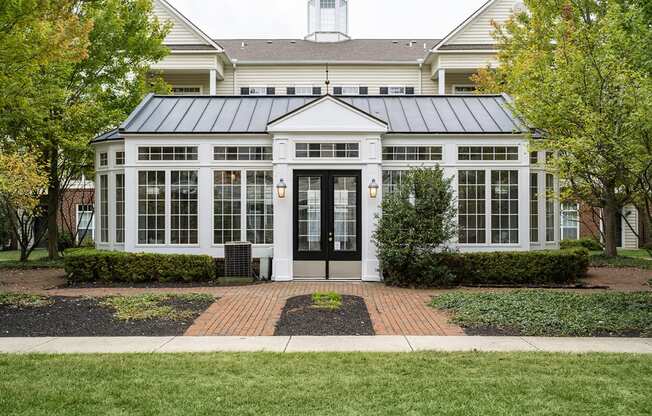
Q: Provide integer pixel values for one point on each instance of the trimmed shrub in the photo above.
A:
(588, 243)
(88, 265)
(520, 268)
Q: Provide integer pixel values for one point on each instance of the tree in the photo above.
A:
(417, 219)
(578, 70)
(22, 184)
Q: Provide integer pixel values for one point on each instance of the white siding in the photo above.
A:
(478, 30)
(465, 61)
(188, 61)
(225, 87)
(629, 237)
(188, 80)
(180, 33)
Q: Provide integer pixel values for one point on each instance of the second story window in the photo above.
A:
(257, 91)
(464, 89)
(186, 90)
(303, 91)
(167, 153)
(350, 90)
(104, 159)
(119, 158)
(396, 90)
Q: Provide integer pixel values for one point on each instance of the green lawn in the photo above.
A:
(38, 259)
(327, 384)
(14, 255)
(551, 313)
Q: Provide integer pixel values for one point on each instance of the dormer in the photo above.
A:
(328, 20)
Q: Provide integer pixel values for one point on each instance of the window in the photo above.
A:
(120, 208)
(392, 180)
(260, 208)
(504, 206)
(534, 207)
(104, 159)
(327, 150)
(303, 90)
(183, 210)
(85, 223)
(242, 153)
(257, 91)
(396, 90)
(167, 153)
(186, 90)
(570, 229)
(550, 207)
(411, 152)
(327, 4)
(471, 206)
(464, 89)
(151, 207)
(226, 206)
(119, 158)
(487, 153)
(534, 158)
(350, 90)
(104, 208)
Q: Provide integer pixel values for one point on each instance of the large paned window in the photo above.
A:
(504, 206)
(392, 180)
(242, 153)
(85, 223)
(550, 207)
(260, 207)
(167, 153)
(183, 210)
(227, 206)
(151, 207)
(534, 207)
(104, 208)
(327, 150)
(412, 153)
(471, 206)
(570, 226)
(120, 208)
(487, 153)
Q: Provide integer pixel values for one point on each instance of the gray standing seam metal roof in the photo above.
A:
(161, 114)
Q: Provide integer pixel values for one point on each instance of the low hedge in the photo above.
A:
(559, 267)
(588, 243)
(89, 265)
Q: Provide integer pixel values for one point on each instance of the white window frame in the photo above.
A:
(185, 153)
(121, 159)
(90, 227)
(255, 90)
(186, 201)
(395, 87)
(104, 159)
(303, 87)
(321, 145)
(562, 211)
(166, 209)
(200, 87)
(490, 161)
(354, 88)
(456, 86)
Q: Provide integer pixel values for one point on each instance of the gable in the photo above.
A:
(327, 114)
(181, 32)
(477, 31)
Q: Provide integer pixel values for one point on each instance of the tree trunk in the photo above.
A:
(645, 225)
(610, 214)
(53, 203)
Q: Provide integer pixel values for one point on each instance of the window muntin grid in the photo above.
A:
(151, 207)
(392, 180)
(104, 159)
(186, 90)
(550, 207)
(260, 207)
(464, 89)
(569, 221)
(242, 153)
(309, 213)
(504, 206)
(227, 206)
(534, 207)
(104, 208)
(85, 223)
(119, 158)
(120, 208)
(392, 153)
(327, 150)
(487, 153)
(183, 207)
(347, 90)
(153, 153)
(345, 195)
(471, 206)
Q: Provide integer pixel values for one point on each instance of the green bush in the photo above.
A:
(493, 268)
(588, 243)
(87, 265)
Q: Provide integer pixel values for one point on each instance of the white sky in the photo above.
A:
(288, 18)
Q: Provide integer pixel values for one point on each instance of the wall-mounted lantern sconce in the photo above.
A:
(281, 188)
(373, 189)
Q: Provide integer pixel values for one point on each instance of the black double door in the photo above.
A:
(327, 215)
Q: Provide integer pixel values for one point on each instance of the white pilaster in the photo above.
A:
(441, 82)
(212, 80)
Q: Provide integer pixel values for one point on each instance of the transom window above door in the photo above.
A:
(327, 150)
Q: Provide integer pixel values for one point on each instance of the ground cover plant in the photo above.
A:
(139, 315)
(539, 313)
(456, 384)
(327, 300)
(600, 260)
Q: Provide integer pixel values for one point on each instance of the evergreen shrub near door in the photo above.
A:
(88, 265)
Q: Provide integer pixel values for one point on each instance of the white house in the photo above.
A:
(282, 143)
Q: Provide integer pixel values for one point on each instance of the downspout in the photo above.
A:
(420, 81)
(235, 75)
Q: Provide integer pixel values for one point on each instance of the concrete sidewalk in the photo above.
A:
(66, 345)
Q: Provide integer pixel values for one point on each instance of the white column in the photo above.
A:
(283, 212)
(442, 81)
(212, 80)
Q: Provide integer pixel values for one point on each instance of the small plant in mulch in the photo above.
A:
(155, 306)
(23, 300)
(327, 300)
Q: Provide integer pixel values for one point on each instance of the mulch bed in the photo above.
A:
(299, 317)
(76, 316)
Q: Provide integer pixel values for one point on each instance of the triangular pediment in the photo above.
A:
(183, 31)
(328, 114)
